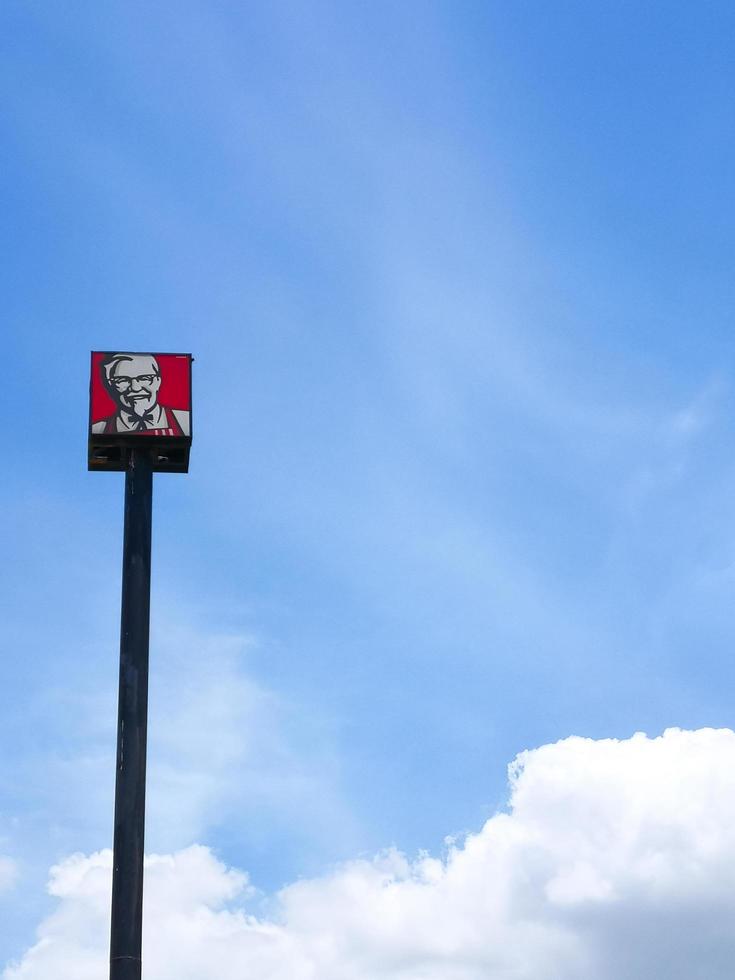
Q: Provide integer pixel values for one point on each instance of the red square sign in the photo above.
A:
(140, 399)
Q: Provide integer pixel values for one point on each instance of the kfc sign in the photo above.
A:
(141, 400)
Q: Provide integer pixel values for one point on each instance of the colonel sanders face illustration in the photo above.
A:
(139, 402)
(133, 381)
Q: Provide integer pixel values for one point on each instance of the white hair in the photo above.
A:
(111, 363)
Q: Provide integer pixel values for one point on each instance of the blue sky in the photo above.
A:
(457, 279)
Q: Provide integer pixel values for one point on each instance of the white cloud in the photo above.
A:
(615, 859)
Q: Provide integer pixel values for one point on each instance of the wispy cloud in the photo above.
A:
(229, 761)
(9, 871)
(224, 747)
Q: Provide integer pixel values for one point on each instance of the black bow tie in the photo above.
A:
(141, 422)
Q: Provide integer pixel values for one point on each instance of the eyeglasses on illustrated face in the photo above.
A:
(122, 383)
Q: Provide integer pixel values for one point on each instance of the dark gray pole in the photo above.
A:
(132, 719)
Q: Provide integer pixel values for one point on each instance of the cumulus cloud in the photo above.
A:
(613, 859)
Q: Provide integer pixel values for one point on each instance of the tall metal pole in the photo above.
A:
(132, 720)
